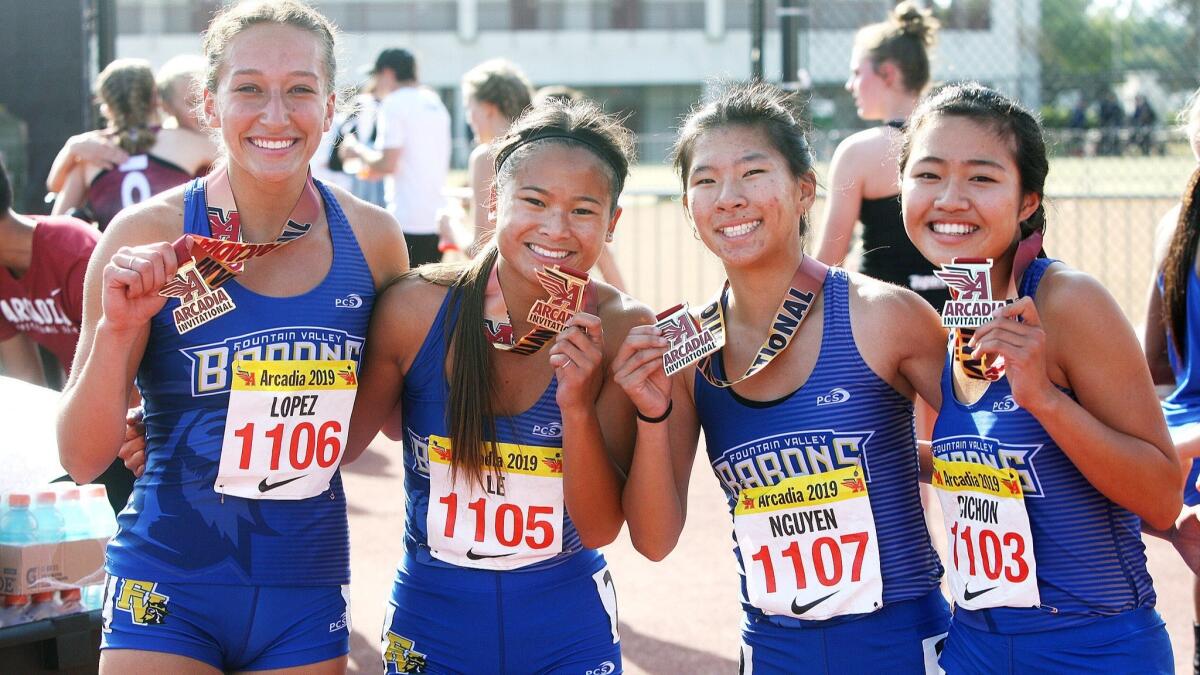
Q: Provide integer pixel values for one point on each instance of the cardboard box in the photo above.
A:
(46, 567)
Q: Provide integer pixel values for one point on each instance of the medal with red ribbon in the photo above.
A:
(569, 291)
(689, 343)
(971, 304)
(806, 285)
(214, 260)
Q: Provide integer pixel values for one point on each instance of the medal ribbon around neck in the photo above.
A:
(570, 291)
(982, 367)
(806, 285)
(222, 256)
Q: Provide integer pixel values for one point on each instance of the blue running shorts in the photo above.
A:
(560, 619)
(902, 637)
(1131, 642)
(228, 627)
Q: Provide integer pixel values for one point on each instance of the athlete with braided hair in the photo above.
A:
(156, 159)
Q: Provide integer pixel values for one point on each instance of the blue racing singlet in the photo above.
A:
(843, 416)
(424, 405)
(1089, 553)
(1183, 405)
(176, 528)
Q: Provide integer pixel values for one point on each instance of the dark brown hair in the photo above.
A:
(755, 105)
(1177, 267)
(470, 414)
(904, 39)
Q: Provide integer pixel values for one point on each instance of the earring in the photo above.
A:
(608, 237)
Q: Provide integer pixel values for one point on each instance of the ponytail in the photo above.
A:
(1177, 267)
(470, 419)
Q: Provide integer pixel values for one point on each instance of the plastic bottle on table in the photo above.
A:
(18, 527)
(77, 524)
(13, 610)
(72, 601)
(95, 504)
(50, 523)
(43, 605)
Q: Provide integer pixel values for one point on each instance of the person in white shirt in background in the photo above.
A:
(412, 149)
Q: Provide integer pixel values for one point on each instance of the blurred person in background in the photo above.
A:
(889, 70)
(495, 93)
(1143, 120)
(1172, 329)
(412, 150)
(157, 158)
(42, 264)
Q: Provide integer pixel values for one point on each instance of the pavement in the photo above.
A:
(680, 615)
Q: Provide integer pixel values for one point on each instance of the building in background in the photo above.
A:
(648, 58)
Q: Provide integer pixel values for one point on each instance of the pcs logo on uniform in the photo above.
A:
(145, 605)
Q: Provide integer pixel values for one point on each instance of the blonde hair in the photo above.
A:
(232, 20)
(904, 38)
(182, 69)
(126, 87)
(1189, 117)
(501, 83)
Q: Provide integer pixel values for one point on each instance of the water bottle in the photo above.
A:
(77, 524)
(13, 610)
(42, 606)
(18, 526)
(100, 513)
(72, 602)
(50, 523)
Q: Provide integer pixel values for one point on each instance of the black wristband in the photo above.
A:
(656, 420)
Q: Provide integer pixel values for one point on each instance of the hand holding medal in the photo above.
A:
(132, 281)
(569, 291)
(971, 306)
(213, 261)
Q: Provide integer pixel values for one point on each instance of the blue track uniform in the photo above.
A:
(1078, 597)
(218, 569)
(837, 570)
(1182, 407)
(494, 578)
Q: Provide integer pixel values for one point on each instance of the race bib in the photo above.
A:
(286, 427)
(987, 531)
(515, 519)
(808, 546)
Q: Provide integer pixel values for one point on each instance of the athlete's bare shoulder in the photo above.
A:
(890, 311)
(619, 313)
(378, 234)
(159, 218)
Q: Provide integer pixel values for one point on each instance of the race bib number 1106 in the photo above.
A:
(286, 427)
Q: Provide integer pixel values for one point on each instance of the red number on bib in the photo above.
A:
(992, 553)
(305, 443)
(510, 524)
(826, 556)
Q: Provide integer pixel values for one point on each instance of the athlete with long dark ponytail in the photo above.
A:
(1172, 329)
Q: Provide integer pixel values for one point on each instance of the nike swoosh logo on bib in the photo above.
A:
(472, 555)
(969, 595)
(800, 609)
(264, 486)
